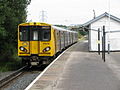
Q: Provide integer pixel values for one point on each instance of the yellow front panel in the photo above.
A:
(34, 47)
(37, 47)
(51, 44)
(43, 45)
(26, 45)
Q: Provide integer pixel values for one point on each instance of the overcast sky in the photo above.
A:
(71, 11)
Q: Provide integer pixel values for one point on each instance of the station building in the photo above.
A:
(112, 29)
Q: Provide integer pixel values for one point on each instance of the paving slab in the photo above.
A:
(78, 69)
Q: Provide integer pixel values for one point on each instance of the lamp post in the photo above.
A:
(109, 29)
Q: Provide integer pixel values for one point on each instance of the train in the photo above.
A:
(39, 42)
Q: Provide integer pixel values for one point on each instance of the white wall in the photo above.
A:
(114, 38)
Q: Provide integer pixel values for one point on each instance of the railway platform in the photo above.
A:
(78, 69)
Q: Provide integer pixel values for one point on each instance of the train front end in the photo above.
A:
(35, 43)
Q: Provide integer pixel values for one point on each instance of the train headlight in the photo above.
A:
(46, 49)
(23, 49)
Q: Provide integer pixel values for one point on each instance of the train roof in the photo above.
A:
(34, 23)
(45, 24)
(62, 29)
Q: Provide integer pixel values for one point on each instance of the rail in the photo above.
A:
(11, 77)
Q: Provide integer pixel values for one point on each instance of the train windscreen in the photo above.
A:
(35, 33)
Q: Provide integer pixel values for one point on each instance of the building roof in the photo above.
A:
(101, 16)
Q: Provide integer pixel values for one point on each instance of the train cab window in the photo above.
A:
(34, 30)
(24, 33)
(45, 35)
(35, 35)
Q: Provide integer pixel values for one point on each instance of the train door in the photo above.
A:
(69, 38)
(34, 43)
(64, 39)
(72, 37)
(59, 40)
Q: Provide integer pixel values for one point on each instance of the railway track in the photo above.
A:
(11, 77)
(4, 83)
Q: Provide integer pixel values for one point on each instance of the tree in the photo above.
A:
(12, 13)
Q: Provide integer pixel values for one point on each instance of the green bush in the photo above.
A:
(12, 13)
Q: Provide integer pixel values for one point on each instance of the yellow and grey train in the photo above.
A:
(38, 42)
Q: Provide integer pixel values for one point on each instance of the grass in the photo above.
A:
(82, 38)
(10, 65)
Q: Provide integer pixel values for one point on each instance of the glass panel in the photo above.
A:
(35, 35)
(41, 33)
(46, 35)
(24, 33)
